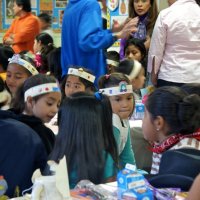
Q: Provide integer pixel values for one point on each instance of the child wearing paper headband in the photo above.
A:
(20, 67)
(135, 72)
(36, 102)
(86, 138)
(78, 80)
(112, 60)
(119, 90)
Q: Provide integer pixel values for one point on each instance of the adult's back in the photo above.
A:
(79, 45)
(83, 36)
(22, 152)
(175, 44)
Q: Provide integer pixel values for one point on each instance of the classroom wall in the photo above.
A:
(57, 37)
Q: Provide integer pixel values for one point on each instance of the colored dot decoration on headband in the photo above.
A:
(123, 88)
(41, 89)
(16, 59)
(81, 73)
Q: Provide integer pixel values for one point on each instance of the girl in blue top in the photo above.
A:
(119, 90)
(86, 138)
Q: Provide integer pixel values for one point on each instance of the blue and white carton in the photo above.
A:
(132, 185)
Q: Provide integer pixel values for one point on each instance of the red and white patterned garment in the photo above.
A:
(177, 141)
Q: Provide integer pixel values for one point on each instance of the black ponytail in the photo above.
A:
(189, 114)
(180, 110)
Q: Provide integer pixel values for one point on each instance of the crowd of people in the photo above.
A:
(90, 92)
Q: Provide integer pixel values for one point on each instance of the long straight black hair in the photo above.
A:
(85, 136)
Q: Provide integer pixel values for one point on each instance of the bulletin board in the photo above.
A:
(116, 10)
(55, 8)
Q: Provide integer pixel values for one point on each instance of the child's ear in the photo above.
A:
(159, 123)
(29, 103)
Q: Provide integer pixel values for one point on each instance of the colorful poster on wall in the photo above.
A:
(116, 10)
(46, 6)
(55, 8)
(58, 12)
(34, 4)
(8, 13)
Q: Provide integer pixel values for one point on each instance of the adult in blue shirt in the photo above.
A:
(83, 37)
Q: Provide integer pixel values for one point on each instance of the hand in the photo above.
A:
(147, 42)
(128, 28)
(116, 26)
(154, 76)
(8, 41)
(12, 36)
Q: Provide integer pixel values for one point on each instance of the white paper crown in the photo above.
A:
(41, 89)
(112, 62)
(136, 70)
(123, 88)
(16, 59)
(81, 73)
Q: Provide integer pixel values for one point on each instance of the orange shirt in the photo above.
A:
(24, 29)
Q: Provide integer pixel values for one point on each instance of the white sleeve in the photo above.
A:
(157, 45)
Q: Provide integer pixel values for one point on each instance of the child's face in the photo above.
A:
(148, 128)
(138, 82)
(133, 53)
(15, 77)
(73, 85)
(141, 7)
(122, 105)
(37, 46)
(46, 106)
